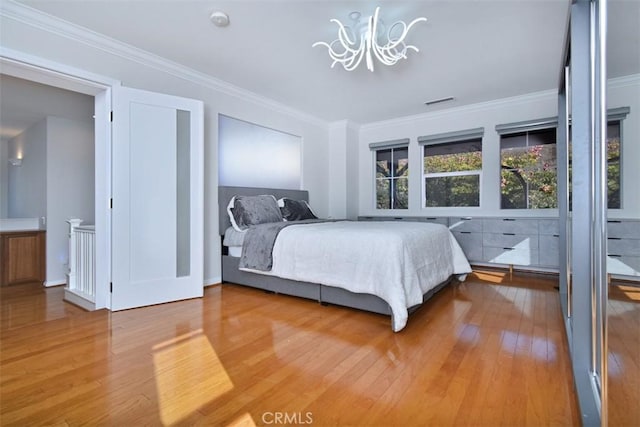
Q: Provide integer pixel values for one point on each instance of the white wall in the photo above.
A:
(4, 179)
(622, 92)
(343, 170)
(55, 182)
(70, 187)
(140, 70)
(353, 172)
(625, 92)
(27, 184)
(337, 176)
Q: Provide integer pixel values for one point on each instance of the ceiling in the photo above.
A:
(472, 50)
(24, 103)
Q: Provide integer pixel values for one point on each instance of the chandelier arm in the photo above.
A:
(337, 57)
(373, 25)
(340, 57)
(331, 51)
(346, 44)
(357, 58)
(321, 44)
(352, 61)
(405, 31)
(346, 51)
(386, 55)
(369, 38)
(342, 30)
(347, 59)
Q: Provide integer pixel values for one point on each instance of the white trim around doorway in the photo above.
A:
(40, 70)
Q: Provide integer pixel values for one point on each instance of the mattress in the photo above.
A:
(396, 261)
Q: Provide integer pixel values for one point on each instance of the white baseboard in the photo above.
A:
(78, 300)
(212, 281)
(49, 283)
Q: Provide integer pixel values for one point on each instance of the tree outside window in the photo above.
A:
(452, 173)
(613, 165)
(528, 177)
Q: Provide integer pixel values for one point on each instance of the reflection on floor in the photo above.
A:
(623, 313)
(490, 351)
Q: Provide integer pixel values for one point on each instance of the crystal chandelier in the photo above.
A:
(363, 40)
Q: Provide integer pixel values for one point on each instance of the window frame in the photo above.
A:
(392, 146)
(461, 137)
(616, 119)
(613, 115)
(540, 126)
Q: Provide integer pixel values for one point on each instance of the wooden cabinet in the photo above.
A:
(22, 257)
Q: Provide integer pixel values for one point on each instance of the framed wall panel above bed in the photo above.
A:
(225, 193)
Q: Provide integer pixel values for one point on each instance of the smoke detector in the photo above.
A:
(219, 19)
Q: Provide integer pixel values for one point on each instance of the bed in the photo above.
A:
(397, 266)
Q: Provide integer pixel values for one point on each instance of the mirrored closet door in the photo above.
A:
(582, 135)
(623, 227)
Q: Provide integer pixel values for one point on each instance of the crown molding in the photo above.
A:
(616, 82)
(470, 108)
(624, 81)
(45, 22)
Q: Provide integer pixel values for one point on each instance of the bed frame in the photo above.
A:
(320, 293)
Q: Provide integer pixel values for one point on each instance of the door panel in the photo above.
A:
(157, 218)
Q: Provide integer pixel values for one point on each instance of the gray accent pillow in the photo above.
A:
(295, 210)
(245, 211)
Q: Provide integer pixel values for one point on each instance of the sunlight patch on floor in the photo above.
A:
(632, 293)
(242, 421)
(188, 375)
(490, 276)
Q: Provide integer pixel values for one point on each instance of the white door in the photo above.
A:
(157, 191)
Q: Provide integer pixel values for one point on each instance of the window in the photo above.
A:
(452, 168)
(613, 164)
(528, 178)
(392, 178)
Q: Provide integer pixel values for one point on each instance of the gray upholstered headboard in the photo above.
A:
(226, 193)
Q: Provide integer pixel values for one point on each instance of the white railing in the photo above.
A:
(81, 278)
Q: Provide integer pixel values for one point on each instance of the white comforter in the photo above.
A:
(397, 261)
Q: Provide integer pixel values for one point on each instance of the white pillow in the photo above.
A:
(231, 217)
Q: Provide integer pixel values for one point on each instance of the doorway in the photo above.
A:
(160, 253)
(47, 167)
(16, 64)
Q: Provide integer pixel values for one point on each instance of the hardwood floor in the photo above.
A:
(490, 351)
(623, 311)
